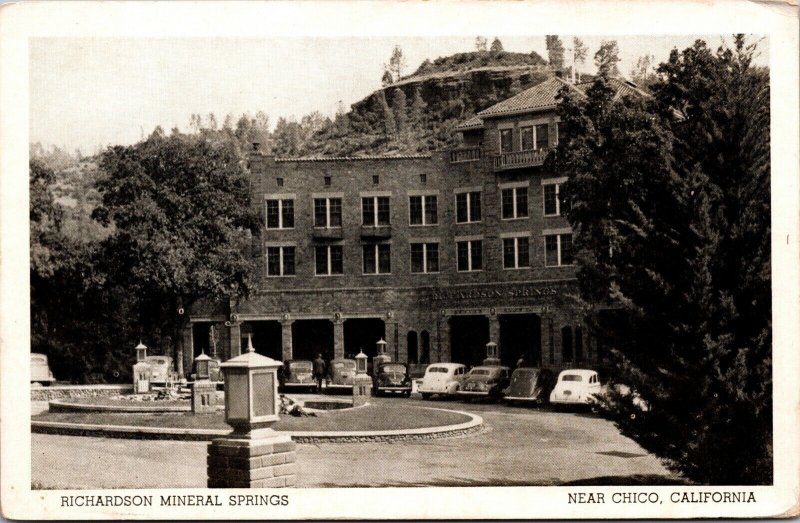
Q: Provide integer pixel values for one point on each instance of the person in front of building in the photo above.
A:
(319, 371)
(521, 362)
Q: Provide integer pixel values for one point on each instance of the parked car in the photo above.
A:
(392, 377)
(160, 369)
(576, 387)
(40, 369)
(342, 371)
(530, 385)
(298, 374)
(485, 381)
(442, 378)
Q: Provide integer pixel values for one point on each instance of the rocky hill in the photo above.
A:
(417, 113)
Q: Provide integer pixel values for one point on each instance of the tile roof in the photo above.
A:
(353, 158)
(539, 97)
(473, 123)
(621, 87)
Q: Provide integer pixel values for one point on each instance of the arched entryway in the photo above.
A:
(412, 347)
(362, 334)
(312, 337)
(468, 338)
(520, 336)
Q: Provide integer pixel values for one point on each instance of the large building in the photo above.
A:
(435, 254)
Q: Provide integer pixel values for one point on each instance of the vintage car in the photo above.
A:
(160, 369)
(576, 387)
(442, 378)
(392, 377)
(341, 372)
(485, 381)
(530, 385)
(40, 370)
(298, 374)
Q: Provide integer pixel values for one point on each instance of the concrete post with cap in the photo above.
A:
(253, 455)
(362, 383)
(142, 373)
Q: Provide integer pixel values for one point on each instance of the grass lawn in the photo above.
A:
(371, 417)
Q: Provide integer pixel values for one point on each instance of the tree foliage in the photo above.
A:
(397, 63)
(555, 51)
(497, 45)
(670, 206)
(606, 59)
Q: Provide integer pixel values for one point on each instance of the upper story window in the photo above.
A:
(280, 213)
(377, 258)
(468, 207)
(423, 210)
(526, 138)
(327, 212)
(533, 137)
(554, 204)
(514, 202)
(469, 255)
(280, 260)
(541, 136)
(424, 257)
(516, 252)
(506, 140)
(328, 260)
(375, 210)
(558, 250)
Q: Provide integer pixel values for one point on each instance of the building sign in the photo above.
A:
(517, 291)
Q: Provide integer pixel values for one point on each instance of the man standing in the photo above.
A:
(521, 362)
(319, 371)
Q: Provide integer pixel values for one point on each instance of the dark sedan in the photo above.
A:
(530, 385)
(394, 378)
(485, 381)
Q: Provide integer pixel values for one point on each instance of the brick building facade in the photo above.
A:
(436, 254)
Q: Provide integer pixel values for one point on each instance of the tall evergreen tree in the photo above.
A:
(497, 45)
(555, 52)
(400, 110)
(387, 116)
(606, 59)
(670, 205)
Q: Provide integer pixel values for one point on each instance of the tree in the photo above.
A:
(670, 204)
(386, 79)
(385, 114)
(397, 62)
(179, 206)
(643, 73)
(579, 53)
(417, 113)
(400, 110)
(481, 44)
(606, 59)
(555, 52)
(497, 46)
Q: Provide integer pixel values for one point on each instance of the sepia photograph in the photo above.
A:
(403, 263)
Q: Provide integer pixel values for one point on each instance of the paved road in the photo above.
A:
(519, 446)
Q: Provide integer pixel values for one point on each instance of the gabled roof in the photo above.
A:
(541, 96)
(621, 88)
(468, 125)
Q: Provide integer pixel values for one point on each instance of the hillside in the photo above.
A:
(417, 113)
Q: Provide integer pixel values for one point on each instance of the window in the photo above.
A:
(375, 179)
(557, 250)
(506, 144)
(279, 181)
(280, 261)
(327, 212)
(424, 257)
(280, 214)
(557, 133)
(514, 203)
(553, 205)
(423, 178)
(469, 255)
(468, 207)
(516, 252)
(327, 180)
(423, 210)
(375, 210)
(526, 138)
(328, 260)
(377, 258)
(541, 136)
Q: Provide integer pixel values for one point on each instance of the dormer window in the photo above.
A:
(506, 140)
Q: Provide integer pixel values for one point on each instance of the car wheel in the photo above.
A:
(426, 395)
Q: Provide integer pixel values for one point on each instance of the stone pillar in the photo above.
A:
(338, 338)
(267, 462)
(286, 339)
(494, 332)
(442, 341)
(391, 338)
(548, 335)
(204, 397)
(235, 336)
(362, 389)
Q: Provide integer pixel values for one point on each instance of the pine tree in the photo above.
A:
(418, 105)
(555, 52)
(386, 79)
(606, 59)
(387, 117)
(670, 204)
(497, 45)
(400, 110)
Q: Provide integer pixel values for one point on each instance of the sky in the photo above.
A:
(87, 93)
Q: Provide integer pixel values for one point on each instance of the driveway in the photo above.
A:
(518, 446)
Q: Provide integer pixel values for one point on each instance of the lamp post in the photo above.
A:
(362, 383)
(492, 354)
(382, 356)
(204, 393)
(142, 373)
(251, 407)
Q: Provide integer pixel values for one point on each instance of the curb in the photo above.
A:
(132, 432)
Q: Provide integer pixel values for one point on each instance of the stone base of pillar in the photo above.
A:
(492, 362)
(264, 460)
(362, 389)
(204, 397)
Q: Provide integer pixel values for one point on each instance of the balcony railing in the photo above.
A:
(520, 159)
(470, 154)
